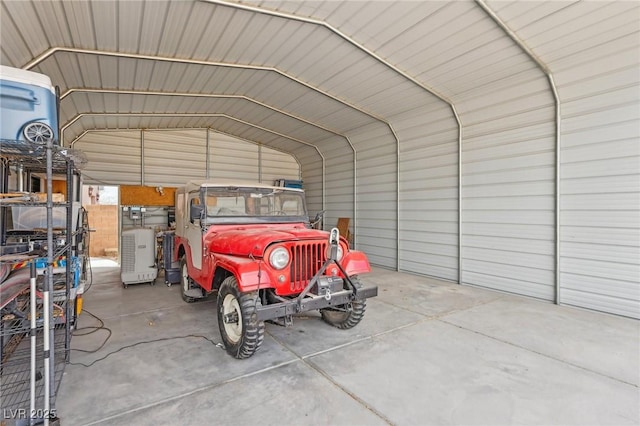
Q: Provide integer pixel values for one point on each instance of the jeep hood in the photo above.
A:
(253, 241)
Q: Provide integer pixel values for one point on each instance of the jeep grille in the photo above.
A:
(307, 259)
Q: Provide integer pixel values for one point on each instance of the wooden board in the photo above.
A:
(131, 195)
(343, 227)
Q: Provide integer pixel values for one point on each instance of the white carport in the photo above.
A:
(490, 143)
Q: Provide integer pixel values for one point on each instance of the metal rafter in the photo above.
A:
(53, 50)
(70, 92)
(398, 71)
(211, 115)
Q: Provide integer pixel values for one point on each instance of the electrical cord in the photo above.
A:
(102, 327)
(93, 329)
(87, 249)
(199, 336)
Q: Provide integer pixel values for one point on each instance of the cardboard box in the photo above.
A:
(56, 197)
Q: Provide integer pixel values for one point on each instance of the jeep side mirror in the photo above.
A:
(195, 212)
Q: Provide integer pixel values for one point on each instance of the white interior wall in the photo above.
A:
(508, 163)
(312, 176)
(339, 179)
(592, 49)
(595, 62)
(600, 176)
(277, 165)
(173, 157)
(428, 222)
(377, 193)
(229, 159)
(113, 157)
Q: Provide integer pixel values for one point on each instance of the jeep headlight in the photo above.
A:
(279, 258)
(339, 254)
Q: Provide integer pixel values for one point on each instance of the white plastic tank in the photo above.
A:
(138, 257)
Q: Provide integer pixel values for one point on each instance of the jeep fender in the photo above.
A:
(249, 273)
(355, 262)
(181, 245)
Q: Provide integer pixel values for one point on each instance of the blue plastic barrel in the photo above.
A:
(27, 106)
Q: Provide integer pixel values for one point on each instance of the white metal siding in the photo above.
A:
(508, 187)
(600, 176)
(277, 165)
(428, 222)
(230, 158)
(312, 177)
(339, 178)
(304, 91)
(595, 62)
(377, 194)
(172, 158)
(113, 157)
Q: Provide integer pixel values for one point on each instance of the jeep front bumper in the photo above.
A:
(312, 302)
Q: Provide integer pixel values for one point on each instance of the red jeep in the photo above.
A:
(254, 245)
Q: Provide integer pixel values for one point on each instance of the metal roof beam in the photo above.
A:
(212, 115)
(53, 50)
(398, 71)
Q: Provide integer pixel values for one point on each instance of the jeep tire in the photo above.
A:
(242, 333)
(348, 315)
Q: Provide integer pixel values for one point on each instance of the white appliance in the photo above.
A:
(138, 256)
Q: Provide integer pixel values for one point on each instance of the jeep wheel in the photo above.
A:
(345, 316)
(240, 329)
(185, 282)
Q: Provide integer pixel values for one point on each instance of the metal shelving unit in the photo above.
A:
(35, 326)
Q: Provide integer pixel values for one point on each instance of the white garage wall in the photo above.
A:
(595, 62)
(312, 177)
(277, 165)
(508, 159)
(339, 179)
(428, 223)
(113, 157)
(377, 193)
(229, 159)
(508, 222)
(600, 176)
(172, 157)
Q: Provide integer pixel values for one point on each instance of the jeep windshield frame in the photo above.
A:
(247, 205)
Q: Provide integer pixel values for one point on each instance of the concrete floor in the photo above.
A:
(428, 352)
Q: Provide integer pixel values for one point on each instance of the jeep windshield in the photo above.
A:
(254, 205)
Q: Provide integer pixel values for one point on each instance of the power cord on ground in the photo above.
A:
(102, 327)
(93, 329)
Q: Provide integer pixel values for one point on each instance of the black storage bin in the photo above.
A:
(171, 268)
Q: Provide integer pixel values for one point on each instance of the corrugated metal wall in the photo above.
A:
(305, 88)
(339, 182)
(229, 159)
(173, 157)
(600, 170)
(600, 186)
(114, 157)
(377, 194)
(508, 165)
(428, 223)
(596, 64)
